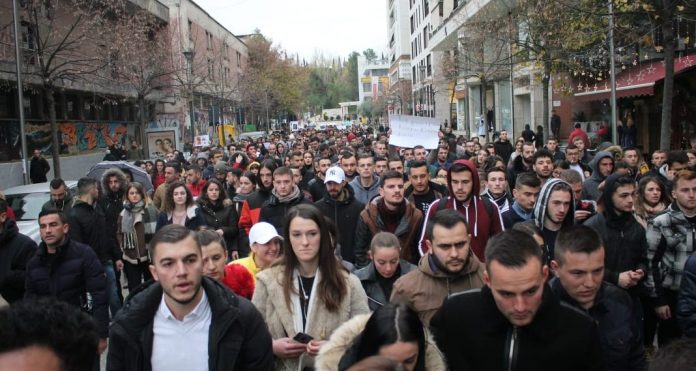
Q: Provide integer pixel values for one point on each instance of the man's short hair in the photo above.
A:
(570, 176)
(52, 210)
(631, 149)
(571, 146)
(677, 156)
(678, 355)
(171, 233)
(458, 168)
(57, 183)
(685, 175)
(394, 159)
(527, 179)
(363, 156)
(47, 322)
(207, 235)
(511, 249)
(497, 170)
(576, 239)
(296, 154)
(84, 185)
(550, 138)
(389, 174)
(174, 165)
(283, 170)
(195, 168)
(345, 155)
(384, 239)
(380, 158)
(447, 218)
(543, 153)
(415, 164)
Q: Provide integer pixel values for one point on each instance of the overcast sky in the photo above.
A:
(307, 27)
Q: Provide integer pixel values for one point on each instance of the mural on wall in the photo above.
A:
(73, 137)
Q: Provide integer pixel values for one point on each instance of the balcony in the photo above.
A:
(155, 7)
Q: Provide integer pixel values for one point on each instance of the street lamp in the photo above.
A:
(189, 54)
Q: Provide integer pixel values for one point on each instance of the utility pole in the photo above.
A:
(20, 92)
(614, 129)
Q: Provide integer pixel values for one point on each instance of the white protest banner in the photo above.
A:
(201, 141)
(410, 131)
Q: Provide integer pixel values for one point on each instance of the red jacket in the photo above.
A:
(197, 188)
(480, 224)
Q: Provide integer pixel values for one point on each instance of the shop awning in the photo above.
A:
(634, 81)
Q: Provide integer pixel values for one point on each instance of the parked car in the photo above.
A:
(26, 202)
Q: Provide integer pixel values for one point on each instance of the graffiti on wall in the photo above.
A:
(89, 136)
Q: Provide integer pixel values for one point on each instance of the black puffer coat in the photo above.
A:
(274, 212)
(345, 213)
(15, 251)
(221, 215)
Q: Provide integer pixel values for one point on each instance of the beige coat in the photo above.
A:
(342, 339)
(425, 290)
(287, 322)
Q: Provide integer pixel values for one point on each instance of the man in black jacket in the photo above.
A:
(69, 271)
(503, 147)
(285, 194)
(579, 269)
(15, 251)
(339, 205)
(114, 185)
(222, 331)
(88, 225)
(515, 322)
(38, 167)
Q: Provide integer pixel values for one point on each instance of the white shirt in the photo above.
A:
(181, 345)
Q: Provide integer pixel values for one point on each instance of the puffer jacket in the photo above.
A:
(686, 304)
(87, 226)
(273, 211)
(368, 278)
(590, 187)
(370, 223)
(223, 216)
(16, 250)
(238, 338)
(426, 288)
(345, 213)
(251, 208)
(339, 352)
(68, 275)
(619, 333)
(111, 204)
(362, 194)
(670, 243)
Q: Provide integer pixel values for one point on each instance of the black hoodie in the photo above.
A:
(15, 251)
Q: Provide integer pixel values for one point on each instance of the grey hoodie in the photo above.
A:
(362, 194)
(590, 187)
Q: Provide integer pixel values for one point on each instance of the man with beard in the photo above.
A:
(422, 192)
(441, 161)
(251, 208)
(584, 209)
(284, 195)
(515, 322)
(381, 165)
(390, 212)
(421, 154)
(316, 185)
(525, 193)
(523, 163)
(602, 166)
(543, 165)
(339, 205)
(496, 188)
(482, 216)
(60, 196)
(114, 184)
(448, 268)
(503, 147)
(172, 171)
(349, 164)
(185, 321)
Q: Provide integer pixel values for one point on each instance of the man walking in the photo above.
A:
(38, 167)
(184, 321)
(366, 184)
(15, 251)
(422, 191)
(61, 198)
(285, 194)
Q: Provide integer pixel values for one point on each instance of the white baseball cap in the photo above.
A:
(334, 174)
(262, 232)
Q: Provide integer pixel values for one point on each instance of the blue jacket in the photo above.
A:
(686, 304)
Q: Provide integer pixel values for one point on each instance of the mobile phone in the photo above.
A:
(303, 338)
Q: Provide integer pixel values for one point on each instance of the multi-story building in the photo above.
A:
(399, 57)
(373, 80)
(430, 87)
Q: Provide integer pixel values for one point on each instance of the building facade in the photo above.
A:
(400, 85)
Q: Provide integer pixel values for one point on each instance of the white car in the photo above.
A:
(26, 202)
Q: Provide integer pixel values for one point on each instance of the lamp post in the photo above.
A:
(189, 54)
(20, 93)
(421, 77)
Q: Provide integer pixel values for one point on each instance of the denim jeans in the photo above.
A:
(111, 293)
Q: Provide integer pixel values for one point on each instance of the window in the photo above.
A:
(239, 60)
(190, 29)
(209, 40)
(426, 7)
(211, 69)
(225, 51)
(425, 37)
(429, 69)
(412, 25)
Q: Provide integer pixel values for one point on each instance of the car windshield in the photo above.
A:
(27, 206)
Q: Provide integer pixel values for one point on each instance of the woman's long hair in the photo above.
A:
(640, 206)
(332, 287)
(203, 197)
(389, 324)
(141, 190)
(169, 196)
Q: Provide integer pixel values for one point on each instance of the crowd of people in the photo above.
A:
(335, 250)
